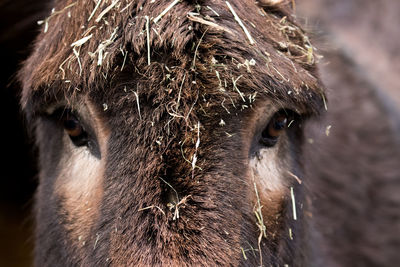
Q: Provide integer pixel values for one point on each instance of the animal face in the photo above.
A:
(169, 132)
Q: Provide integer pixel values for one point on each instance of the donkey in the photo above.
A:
(171, 133)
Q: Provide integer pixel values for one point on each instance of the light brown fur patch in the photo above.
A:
(80, 183)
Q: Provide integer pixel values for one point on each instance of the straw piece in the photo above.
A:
(251, 40)
(165, 11)
(148, 39)
(94, 10)
(105, 11)
(81, 41)
(293, 204)
(194, 18)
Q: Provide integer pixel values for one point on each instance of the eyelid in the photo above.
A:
(58, 113)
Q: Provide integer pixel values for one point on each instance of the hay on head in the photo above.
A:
(190, 59)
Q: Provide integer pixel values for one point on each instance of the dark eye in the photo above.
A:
(73, 128)
(275, 128)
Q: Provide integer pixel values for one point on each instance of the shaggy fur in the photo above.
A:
(190, 70)
(197, 72)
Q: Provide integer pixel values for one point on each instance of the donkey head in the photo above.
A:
(169, 132)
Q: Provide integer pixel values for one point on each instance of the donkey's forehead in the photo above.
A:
(234, 44)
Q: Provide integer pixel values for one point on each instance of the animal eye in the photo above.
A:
(73, 128)
(275, 128)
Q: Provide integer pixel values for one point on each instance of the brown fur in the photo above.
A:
(199, 75)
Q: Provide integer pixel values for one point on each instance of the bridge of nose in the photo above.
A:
(155, 174)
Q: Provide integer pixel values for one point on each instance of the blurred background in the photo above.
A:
(365, 33)
(17, 183)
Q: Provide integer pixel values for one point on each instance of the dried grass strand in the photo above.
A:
(106, 10)
(251, 40)
(148, 39)
(81, 41)
(293, 204)
(95, 9)
(165, 11)
(194, 18)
